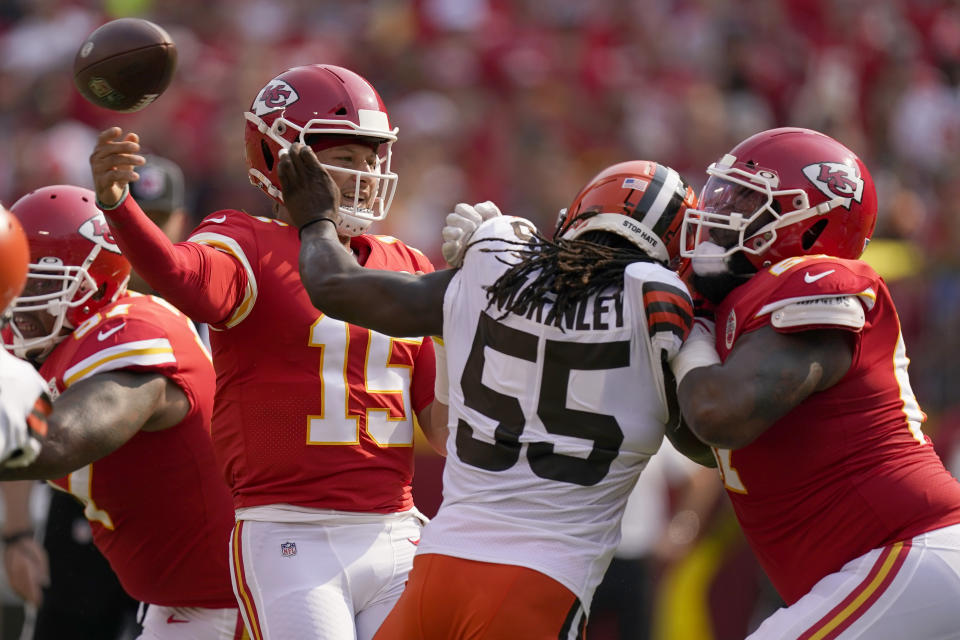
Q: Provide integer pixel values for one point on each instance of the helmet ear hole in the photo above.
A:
(100, 292)
(267, 155)
(812, 233)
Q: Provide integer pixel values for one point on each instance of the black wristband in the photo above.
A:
(16, 536)
(314, 221)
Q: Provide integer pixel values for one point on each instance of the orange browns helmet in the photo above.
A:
(640, 200)
(313, 104)
(75, 266)
(14, 257)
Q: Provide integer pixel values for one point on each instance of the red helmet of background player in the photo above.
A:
(322, 103)
(782, 193)
(642, 201)
(14, 256)
(75, 266)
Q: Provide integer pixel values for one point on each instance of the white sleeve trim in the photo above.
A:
(142, 353)
(867, 297)
(230, 246)
(841, 311)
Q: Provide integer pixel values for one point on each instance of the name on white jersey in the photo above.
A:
(593, 313)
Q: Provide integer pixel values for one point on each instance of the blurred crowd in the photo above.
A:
(521, 101)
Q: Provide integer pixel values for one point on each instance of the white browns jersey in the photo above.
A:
(24, 402)
(550, 425)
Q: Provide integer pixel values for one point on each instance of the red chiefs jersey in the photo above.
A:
(311, 411)
(849, 469)
(159, 510)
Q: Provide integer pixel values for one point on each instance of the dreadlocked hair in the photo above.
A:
(562, 272)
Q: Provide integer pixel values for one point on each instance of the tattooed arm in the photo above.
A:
(96, 416)
(765, 376)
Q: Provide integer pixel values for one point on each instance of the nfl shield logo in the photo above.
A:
(288, 549)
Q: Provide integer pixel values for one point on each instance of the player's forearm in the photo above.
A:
(198, 280)
(721, 416)
(393, 303)
(92, 419)
(764, 377)
(327, 272)
(16, 498)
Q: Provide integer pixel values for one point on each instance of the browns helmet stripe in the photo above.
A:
(670, 218)
(657, 197)
(653, 189)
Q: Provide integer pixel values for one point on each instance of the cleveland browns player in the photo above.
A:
(803, 392)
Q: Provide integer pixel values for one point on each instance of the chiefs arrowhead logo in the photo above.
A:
(97, 231)
(278, 94)
(836, 180)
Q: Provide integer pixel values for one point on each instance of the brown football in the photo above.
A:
(125, 64)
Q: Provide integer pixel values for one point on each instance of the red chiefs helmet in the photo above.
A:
(322, 100)
(75, 265)
(14, 256)
(782, 193)
(642, 201)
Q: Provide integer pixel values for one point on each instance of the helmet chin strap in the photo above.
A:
(350, 225)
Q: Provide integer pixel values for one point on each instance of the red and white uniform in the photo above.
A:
(313, 420)
(159, 511)
(849, 470)
(311, 411)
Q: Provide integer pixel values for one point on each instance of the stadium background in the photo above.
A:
(520, 102)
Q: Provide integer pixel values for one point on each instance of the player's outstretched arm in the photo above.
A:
(765, 376)
(204, 283)
(397, 304)
(96, 416)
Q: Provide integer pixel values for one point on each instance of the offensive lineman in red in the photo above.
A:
(811, 415)
(128, 435)
(313, 420)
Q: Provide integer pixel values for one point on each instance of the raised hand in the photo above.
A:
(309, 193)
(112, 163)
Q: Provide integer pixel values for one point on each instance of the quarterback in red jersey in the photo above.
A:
(313, 421)
(128, 435)
(803, 392)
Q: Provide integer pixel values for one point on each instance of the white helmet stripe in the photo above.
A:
(668, 189)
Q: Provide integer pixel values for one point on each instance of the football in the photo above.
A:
(125, 64)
